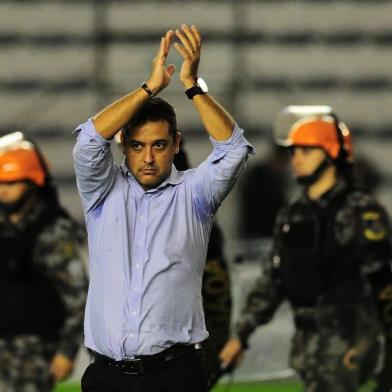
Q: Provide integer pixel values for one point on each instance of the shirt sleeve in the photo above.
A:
(362, 228)
(375, 245)
(216, 176)
(58, 253)
(262, 303)
(94, 166)
(369, 235)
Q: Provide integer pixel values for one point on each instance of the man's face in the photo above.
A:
(149, 153)
(306, 160)
(12, 192)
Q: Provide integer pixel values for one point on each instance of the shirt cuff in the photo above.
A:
(237, 140)
(88, 130)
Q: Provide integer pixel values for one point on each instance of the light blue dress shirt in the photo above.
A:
(147, 249)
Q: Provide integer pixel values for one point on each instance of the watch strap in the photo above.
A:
(194, 90)
(147, 90)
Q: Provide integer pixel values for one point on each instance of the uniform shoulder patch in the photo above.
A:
(373, 225)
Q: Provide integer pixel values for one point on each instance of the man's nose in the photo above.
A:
(148, 155)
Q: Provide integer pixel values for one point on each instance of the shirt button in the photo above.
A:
(136, 288)
(131, 335)
(137, 265)
(142, 217)
(133, 313)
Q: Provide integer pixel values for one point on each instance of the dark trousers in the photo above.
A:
(185, 373)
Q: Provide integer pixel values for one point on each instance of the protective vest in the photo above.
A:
(29, 303)
(313, 263)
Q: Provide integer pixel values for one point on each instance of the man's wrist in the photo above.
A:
(189, 83)
(199, 87)
(147, 89)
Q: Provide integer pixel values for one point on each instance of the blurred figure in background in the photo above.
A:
(331, 261)
(42, 279)
(366, 174)
(264, 189)
(263, 193)
(216, 291)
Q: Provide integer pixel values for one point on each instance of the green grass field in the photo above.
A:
(273, 386)
(276, 386)
(245, 387)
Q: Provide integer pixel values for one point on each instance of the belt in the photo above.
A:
(142, 364)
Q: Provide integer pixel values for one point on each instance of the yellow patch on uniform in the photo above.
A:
(374, 229)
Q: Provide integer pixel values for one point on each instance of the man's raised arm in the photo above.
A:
(218, 123)
(114, 117)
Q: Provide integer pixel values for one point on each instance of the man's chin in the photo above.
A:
(149, 183)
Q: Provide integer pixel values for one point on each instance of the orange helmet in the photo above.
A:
(20, 160)
(322, 131)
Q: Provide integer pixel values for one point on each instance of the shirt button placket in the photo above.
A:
(137, 271)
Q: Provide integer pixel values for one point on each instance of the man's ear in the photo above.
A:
(177, 142)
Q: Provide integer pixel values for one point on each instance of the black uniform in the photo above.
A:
(331, 261)
(43, 289)
(216, 303)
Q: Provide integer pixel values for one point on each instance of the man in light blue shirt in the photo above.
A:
(148, 228)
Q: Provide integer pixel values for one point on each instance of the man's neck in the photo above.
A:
(323, 184)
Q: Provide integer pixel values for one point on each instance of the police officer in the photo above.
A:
(42, 279)
(331, 261)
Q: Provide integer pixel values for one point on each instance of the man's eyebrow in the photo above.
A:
(153, 142)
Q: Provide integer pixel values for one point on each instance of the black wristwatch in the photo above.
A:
(200, 87)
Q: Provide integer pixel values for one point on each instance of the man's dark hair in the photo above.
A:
(156, 109)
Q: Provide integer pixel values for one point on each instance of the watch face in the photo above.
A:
(202, 84)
